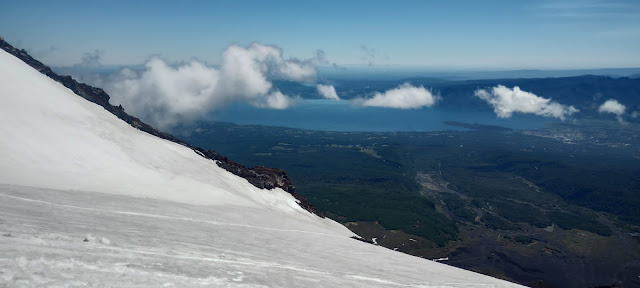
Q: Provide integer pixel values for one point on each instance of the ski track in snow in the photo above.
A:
(237, 262)
(41, 245)
(168, 217)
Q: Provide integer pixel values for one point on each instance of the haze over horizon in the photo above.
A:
(581, 34)
(170, 63)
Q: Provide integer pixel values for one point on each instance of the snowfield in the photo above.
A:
(88, 201)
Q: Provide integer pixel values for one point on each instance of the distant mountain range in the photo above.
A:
(585, 89)
(398, 73)
(586, 92)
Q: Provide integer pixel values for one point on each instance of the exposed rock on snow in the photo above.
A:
(92, 238)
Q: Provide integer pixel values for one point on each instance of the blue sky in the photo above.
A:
(429, 34)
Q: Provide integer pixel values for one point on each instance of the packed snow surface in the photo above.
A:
(87, 200)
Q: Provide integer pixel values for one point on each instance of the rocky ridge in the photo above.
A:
(261, 177)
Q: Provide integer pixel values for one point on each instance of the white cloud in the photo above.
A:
(507, 101)
(635, 114)
(614, 107)
(328, 92)
(404, 96)
(274, 100)
(165, 95)
(91, 58)
(321, 59)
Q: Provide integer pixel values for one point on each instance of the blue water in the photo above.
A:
(329, 115)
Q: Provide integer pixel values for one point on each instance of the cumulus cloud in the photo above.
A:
(404, 96)
(275, 100)
(328, 92)
(506, 101)
(370, 55)
(614, 107)
(321, 59)
(91, 58)
(165, 95)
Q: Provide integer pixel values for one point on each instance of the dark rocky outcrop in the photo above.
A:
(618, 284)
(261, 177)
(363, 240)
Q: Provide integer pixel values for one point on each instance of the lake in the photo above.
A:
(329, 115)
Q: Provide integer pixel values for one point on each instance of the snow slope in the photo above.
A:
(87, 200)
(93, 151)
